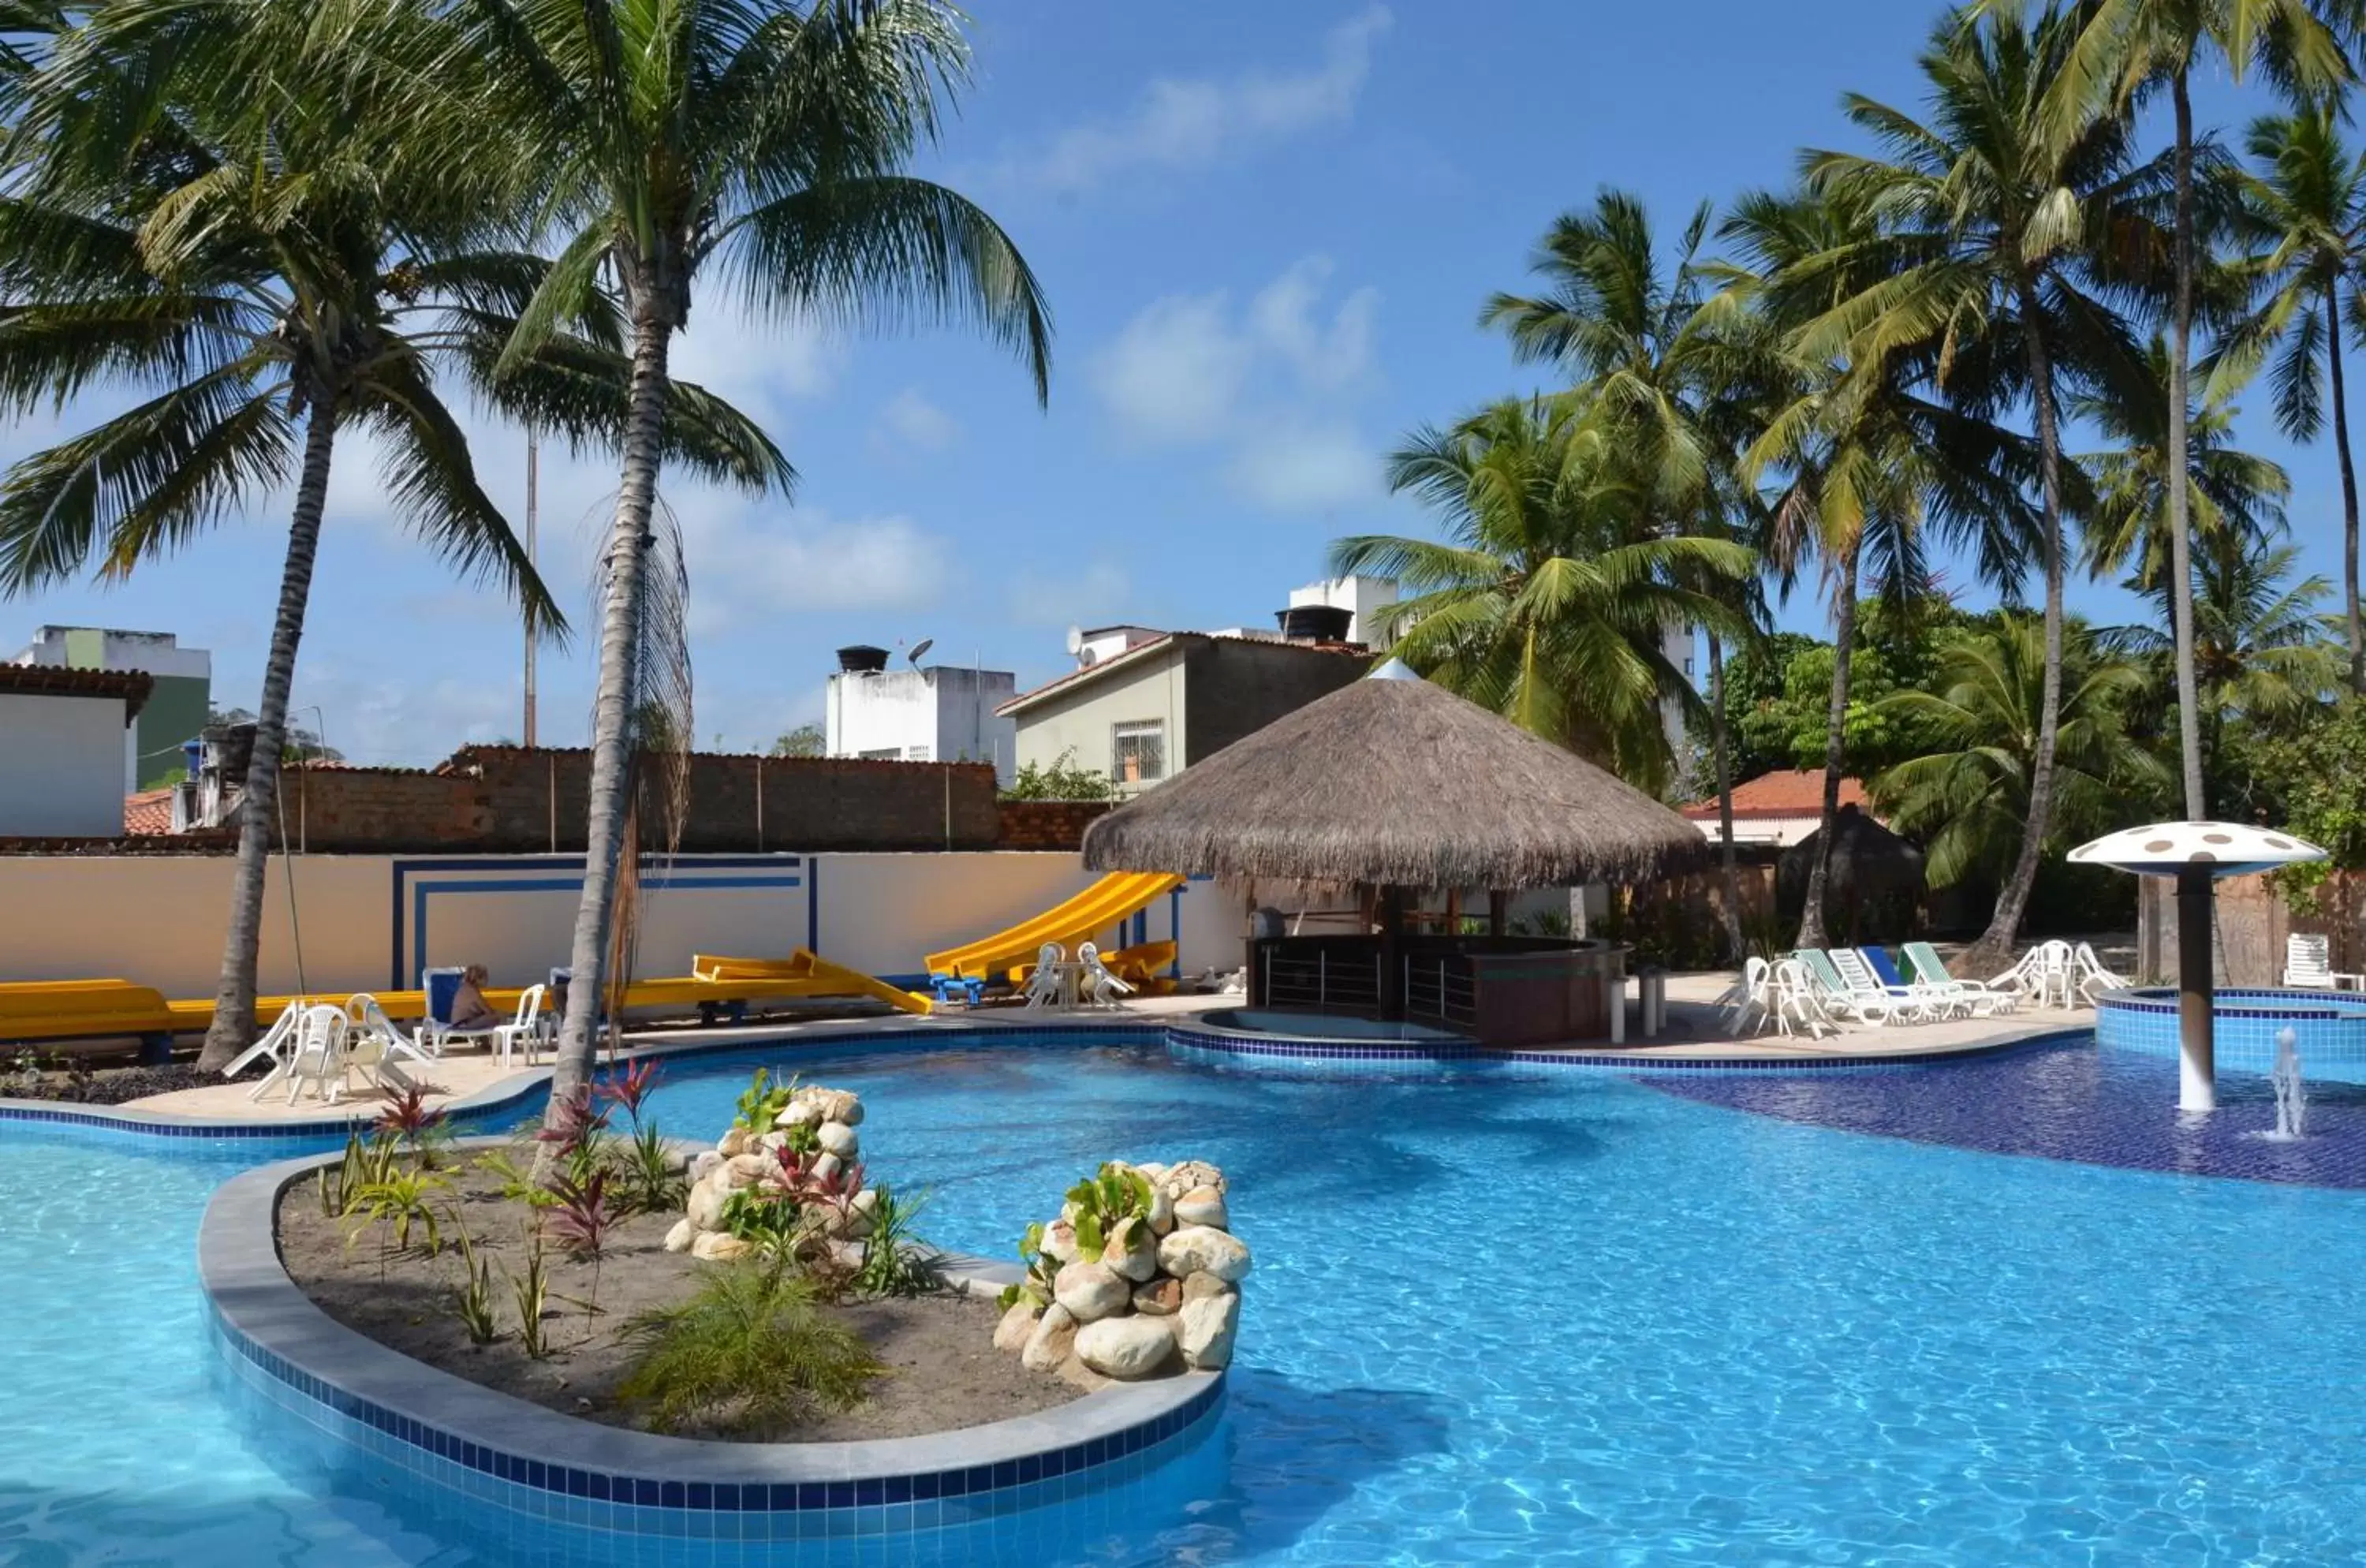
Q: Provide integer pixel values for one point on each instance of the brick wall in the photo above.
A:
(1048, 824)
(355, 810)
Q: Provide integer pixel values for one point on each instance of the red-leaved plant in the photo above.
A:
(630, 1088)
(411, 1121)
(583, 1221)
(576, 1131)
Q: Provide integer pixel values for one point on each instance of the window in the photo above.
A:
(1138, 752)
(887, 754)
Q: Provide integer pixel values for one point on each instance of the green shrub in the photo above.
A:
(763, 1101)
(895, 1262)
(751, 1354)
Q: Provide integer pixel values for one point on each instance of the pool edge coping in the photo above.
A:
(264, 1315)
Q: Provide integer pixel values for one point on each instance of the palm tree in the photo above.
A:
(272, 271)
(1868, 462)
(2307, 208)
(2121, 50)
(1968, 799)
(760, 145)
(1545, 604)
(1991, 215)
(2235, 499)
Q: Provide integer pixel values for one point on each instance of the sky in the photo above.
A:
(1266, 232)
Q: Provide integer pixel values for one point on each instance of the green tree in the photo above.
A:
(2306, 207)
(1967, 798)
(805, 740)
(1995, 215)
(761, 147)
(1061, 779)
(1541, 604)
(2118, 49)
(205, 211)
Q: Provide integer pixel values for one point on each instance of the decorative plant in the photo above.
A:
(804, 1138)
(763, 1101)
(630, 1088)
(652, 1184)
(473, 1302)
(1041, 1269)
(584, 1220)
(895, 1262)
(579, 1128)
(531, 1293)
(363, 1164)
(749, 1353)
(396, 1201)
(409, 1122)
(517, 1183)
(1096, 1205)
(769, 1222)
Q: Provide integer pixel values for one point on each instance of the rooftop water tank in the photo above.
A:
(861, 660)
(1315, 623)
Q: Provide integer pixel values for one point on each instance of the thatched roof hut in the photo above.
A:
(1876, 877)
(1393, 781)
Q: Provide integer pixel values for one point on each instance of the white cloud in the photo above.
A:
(1096, 594)
(1269, 383)
(1311, 468)
(747, 565)
(908, 424)
(1185, 123)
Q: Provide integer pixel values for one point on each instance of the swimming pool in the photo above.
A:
(1494, 1319)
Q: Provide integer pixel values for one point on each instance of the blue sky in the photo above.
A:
(1266, 232)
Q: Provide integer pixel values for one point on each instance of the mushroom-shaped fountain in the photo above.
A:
(2197, 854)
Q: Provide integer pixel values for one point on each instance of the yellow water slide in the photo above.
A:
(1120, 895)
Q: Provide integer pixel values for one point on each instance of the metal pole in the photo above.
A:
(533, 467)
(2197, 1088)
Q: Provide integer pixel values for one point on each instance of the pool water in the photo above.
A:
(1492, 1320)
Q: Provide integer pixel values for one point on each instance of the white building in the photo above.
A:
(179, 702)
(941, 714)
(63, 749)
(1363, 598)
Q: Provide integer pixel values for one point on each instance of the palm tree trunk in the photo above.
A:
(2181, 555)
(1811, 919)
(1994, 948)
(612, 722)
(2349, 491)
(233, 1026)
(1724, 799)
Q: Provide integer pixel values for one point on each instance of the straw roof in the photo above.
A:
(1393, 781)
(1868, 861)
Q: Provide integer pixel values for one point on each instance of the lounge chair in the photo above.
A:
(2093, 976)
(1793, 999)
(1931, 970)
(1909, 1004)
(2308, 966)
(1838, 998)
(1936, 1000)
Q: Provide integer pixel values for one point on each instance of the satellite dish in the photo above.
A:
(1076, 640)
(1085, 657)
(919, 649)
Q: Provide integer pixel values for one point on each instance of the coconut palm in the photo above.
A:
(1994, 217)
(1968, 799)
(2260, 644)
(756, 146)
(270, 271)
(2121, 50)
(2306, 207)
(1868, 462)
(1545, 603)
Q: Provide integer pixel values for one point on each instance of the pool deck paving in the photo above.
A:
(1695, 1031)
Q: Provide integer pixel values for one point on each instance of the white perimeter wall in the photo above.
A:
(370, 923)
(61, 766)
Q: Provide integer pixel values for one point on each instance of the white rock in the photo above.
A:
(858, 1213)
(1163, 1297)
(1132, 1250)
(1201, 1206)
(1060, 1241)
(827, 1165)
(720, 1246)
(679, 1238)
(1194, 1249)
(1162, 1210)
(802, 1112)
(1016, 1326)
(677, 1162)
(838, 1138)
(831, 1105)
(773, 1141)
(1197, 1287)
(1090, 1291)
(1185, 1175)
(1126, 1347)
(706, 1207)
(1053, 1337)
(745, 1170)
(708, 1160)
(734, 1142)
(1205, 1328)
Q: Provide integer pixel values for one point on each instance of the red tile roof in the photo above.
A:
(1795, 792)
(150, 811)
(57, 681)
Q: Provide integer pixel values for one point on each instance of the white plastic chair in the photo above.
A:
(1750, 999)
(2308, 966)
(2093, 976)
(523, 1031)
(376, 1040)
(1100, 988)
(1906, 1005)
(1798, 999)
(1048, 985)
(320, 1054)
(272, 1048)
